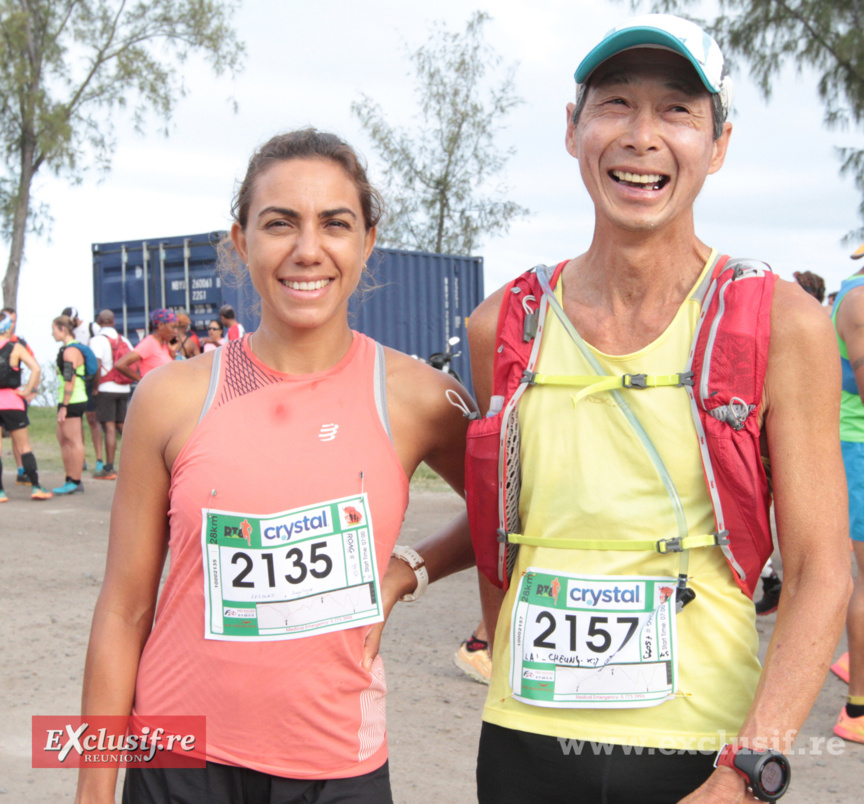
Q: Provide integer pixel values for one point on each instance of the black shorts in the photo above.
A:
(514, 767)
(228, 784)
(75, 411)
(12, 420)
(111, 407)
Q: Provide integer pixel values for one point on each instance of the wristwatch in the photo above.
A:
(414, 560)
(767, 773)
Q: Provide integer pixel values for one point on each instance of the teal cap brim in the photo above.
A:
(639, 37)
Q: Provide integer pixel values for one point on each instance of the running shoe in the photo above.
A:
(840, 668)
(474, 660)
(771, 588)
(3, 497)
(39, 493)
(69, 488)
(22, 479)
(99, 466)
(850, 728)
(105, 474)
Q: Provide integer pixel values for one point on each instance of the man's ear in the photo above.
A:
(721, 145)
(570, 140)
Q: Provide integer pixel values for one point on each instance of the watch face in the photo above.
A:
(772, 776)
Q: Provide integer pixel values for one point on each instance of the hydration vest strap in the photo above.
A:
(661, 546)
(606, 383)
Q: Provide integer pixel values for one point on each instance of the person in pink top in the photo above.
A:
(157, 349)
(279, 484)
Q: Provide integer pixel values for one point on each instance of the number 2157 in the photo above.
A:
(596, 632)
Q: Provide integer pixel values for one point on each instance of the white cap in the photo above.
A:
(669, 33)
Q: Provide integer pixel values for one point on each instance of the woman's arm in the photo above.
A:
(124, 365)
(137, 546)
(74, 358)
(35, 372)
(426, 426)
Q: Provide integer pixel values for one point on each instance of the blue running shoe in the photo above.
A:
(3, 497)
(99, 466)
(69, 488)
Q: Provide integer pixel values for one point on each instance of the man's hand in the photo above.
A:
(724, 786)
(399, 580)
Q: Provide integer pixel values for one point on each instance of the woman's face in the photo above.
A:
(58, 332)
(305, 243)
(214, 329)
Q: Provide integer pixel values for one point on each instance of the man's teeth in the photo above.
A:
(307, 285)
(637, 178)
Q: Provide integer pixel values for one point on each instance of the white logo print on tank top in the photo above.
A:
(328, 432)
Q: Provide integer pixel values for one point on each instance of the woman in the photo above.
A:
(189, 345)
(214, 337)
(305, 419)
(13, 403)
(71, 406)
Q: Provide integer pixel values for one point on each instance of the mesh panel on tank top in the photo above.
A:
(242, 376)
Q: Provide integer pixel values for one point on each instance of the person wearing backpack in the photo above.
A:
(111, 389)
(72, 403)
(641, 399)
(83, 333)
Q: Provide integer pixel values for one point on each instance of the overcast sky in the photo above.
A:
(779, 197)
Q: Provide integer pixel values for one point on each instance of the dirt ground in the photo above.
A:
(50, 575)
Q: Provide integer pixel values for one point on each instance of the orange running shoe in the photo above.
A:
(40, 494)
(840, 668)
(850, 728)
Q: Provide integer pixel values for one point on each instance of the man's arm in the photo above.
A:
(801, 421)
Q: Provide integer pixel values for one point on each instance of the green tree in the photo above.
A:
(822, 35)
(65, 65)
(439, 176)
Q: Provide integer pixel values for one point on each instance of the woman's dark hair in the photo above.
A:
(812, 283)
(219, 323)
(309, 143)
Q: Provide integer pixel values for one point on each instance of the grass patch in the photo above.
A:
(43, 442)
(426, 479)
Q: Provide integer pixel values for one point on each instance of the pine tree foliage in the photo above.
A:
(66, 65)
(822, 35)
(441, 176)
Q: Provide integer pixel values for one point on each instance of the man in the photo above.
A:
(848, 317)
(629, 617)
(112, 391)
(158, 348)
(13, 407)
(234, 330)
(84, 331)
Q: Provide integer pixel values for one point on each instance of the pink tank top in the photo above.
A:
(267, 443)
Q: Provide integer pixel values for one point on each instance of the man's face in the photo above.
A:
(645, 141)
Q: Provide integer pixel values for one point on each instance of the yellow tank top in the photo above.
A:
(585, 475)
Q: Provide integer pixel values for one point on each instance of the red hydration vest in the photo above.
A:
(728, 359)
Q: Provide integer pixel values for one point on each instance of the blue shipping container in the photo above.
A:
(415, 301)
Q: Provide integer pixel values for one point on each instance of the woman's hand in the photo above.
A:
(399, 580)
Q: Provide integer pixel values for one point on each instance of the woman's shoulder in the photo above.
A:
(426, 391)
